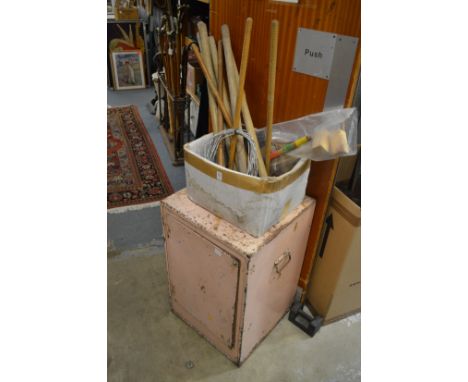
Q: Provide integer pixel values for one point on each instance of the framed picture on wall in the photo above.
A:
(127, 69)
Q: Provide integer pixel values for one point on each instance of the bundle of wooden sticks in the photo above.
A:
(226, 103)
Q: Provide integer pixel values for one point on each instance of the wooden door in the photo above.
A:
(296, 94)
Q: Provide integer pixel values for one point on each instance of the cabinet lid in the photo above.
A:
(223, 231)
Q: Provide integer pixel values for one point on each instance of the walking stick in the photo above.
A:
(240, 95)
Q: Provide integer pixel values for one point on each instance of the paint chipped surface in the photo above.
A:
(206, 297)
(229, 235)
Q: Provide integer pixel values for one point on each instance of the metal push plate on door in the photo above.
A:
(315, 52)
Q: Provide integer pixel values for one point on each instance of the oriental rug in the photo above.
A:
(135, 174)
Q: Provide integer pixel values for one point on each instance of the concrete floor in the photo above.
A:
(147, 342)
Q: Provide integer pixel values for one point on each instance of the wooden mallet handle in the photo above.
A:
(220, 91)
(240, 94)
(233, 78)
(271, 89)
(206, 54)
(212, 86)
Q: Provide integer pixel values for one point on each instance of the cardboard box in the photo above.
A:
(231, 287)
(345, 168)
(251, 203)
(335, 285)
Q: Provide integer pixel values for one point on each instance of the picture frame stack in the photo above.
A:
(127, 69)
(127, 64)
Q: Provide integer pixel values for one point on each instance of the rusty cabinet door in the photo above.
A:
(203, 280)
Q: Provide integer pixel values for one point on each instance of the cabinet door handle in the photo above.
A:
(282, 261)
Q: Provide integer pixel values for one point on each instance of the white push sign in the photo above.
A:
(314, 52)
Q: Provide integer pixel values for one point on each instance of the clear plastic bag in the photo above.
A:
(332, 134)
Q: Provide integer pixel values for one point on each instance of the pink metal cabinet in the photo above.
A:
(231, 287)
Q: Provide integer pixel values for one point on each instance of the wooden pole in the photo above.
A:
(205, 52)
(241, 154)
(214, 58)
(212, 86)
(271, 90)
(240, 95)
(233, 83)
(231, 68)
(220, 89)
(233, 78)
